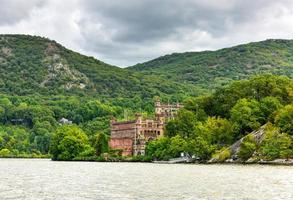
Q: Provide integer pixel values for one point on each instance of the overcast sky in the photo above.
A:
(125, 32)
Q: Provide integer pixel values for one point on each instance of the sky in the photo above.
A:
(126, 32)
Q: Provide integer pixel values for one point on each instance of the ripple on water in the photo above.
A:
(33, 179)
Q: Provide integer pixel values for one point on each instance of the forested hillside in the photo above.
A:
(208, 125)
(31, 65)
(42, 82)
(212, 69)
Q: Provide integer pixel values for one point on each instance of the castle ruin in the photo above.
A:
(131, 136)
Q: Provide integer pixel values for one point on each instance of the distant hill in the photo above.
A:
(31, 64)
(211, 69)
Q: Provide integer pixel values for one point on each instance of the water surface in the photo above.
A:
(33, 179)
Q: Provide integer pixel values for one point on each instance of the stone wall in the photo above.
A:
(125, 144)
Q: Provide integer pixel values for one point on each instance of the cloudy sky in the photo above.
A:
(125, 32)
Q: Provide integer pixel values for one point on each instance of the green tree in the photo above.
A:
(222, 155)
(246, 114)
(257, 87)
(276, 144)
(99, 124)
(284, 119)
(268, 106)
(177, 145)
(100, 143)
(198, 106)
(218, 131)
(159, 149)
(5, 153)
(247, 147)
(184, 125)
(200, 148)
(68, 142)
(2, 114)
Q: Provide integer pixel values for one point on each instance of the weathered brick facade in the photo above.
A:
(131, 136)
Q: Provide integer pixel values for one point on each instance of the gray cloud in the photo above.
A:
(124, 32)
(12, 11)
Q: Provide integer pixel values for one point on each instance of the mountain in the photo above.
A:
(31, 64)
(211, 69)
(42, 82)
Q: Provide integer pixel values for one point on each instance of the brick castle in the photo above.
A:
(131, 136)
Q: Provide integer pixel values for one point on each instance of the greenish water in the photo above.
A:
(38, 179)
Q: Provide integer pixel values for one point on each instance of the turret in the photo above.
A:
(138, 118)
(158, 107)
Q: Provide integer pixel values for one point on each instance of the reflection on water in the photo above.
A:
(29, 179)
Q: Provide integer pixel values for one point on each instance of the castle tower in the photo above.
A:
(158, 109)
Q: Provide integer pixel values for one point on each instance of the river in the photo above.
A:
(42, 179)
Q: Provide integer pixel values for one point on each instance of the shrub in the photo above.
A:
(5, 153)
(276, 145)
(224, 154)
(247, 147)
(284, 119)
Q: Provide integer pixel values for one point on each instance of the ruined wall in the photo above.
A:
(123, 129)
(122, 136)
(125, 144)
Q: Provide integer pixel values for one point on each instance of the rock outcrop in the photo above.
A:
(234, 149)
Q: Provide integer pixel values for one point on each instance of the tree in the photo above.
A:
(247, 116)
(247, 147)
(200, 148)
(276, 144)
(5, 105)
(159, 149)
(100, 143)
(222, 155)
(42, 143)
(2, 114)
(257, 87)
(99, 124)
(198, 106)
(268, 106)
(68, 142)
(5, 153)
(218, 131)
(184, 124)
(284, 119)
(177, 145)
(171, 128)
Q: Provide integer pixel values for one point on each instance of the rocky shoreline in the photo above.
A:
(288, 162)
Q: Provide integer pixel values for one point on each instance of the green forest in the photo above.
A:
(208, 125)
(209, 70)
(224, 100)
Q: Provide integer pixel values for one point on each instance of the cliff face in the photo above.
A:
(258, 136)
(249, 149)
(234, 150)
